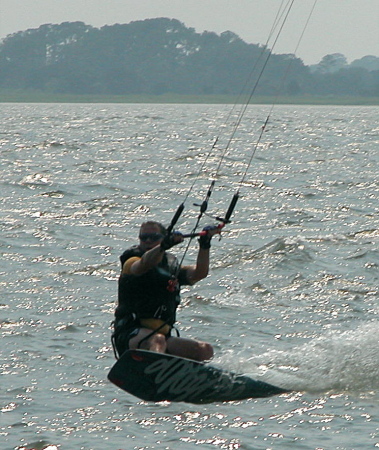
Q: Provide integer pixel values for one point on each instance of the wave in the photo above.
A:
(339, 361)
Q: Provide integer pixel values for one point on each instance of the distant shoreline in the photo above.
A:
(42, 97)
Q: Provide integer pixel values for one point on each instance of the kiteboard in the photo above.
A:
(158, 377)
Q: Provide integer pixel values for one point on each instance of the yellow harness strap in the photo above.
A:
(154, 324)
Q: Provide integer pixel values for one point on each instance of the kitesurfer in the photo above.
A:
(149, 293)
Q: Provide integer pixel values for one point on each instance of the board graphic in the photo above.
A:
(159, 377)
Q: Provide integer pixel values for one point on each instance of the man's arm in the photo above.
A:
(138, 266)
(201, 270)
(152, 257)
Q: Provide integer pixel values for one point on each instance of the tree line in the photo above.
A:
(158, 56)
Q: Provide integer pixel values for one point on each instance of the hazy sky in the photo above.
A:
(350, 27)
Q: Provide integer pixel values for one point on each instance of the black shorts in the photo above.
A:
(124, 332)
(122, 338)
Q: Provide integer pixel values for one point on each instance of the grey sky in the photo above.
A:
(350, 27)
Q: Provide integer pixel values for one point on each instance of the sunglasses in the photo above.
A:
(152, 236)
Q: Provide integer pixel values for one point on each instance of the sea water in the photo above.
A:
(292, 295)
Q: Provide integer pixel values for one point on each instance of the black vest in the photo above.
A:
(155, 294)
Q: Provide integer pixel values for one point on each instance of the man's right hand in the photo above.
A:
(171, 239)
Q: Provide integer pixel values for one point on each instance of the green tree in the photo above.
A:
(157, 56)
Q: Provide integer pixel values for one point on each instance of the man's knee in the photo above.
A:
(155, 343)
(205, 351)
(158, 339)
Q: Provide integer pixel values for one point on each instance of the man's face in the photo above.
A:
(150, 236)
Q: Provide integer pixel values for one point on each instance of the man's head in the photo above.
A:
(151, 234)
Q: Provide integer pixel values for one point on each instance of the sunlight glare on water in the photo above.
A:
(291, 298)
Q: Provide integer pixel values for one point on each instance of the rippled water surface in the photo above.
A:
(292, 297)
